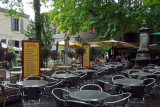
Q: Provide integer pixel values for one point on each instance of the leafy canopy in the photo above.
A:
(106, 16)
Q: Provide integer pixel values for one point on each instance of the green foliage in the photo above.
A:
(104, 15)
(104, 48)
(15, 8)
(46, 31)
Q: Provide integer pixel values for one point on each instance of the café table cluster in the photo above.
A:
(109, 85)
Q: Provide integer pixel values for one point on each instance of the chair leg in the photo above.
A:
(4, 103)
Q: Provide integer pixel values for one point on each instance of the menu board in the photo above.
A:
(86, 56)
(31, 58)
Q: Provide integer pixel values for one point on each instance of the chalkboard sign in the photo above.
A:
(31, 58)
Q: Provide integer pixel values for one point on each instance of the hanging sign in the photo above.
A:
(86, 56)
(31, 58)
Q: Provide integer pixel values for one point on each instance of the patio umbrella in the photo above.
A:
(154, 47)
(71, 44)
(57, 46)
(115, 43)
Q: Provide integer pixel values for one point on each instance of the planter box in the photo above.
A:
(3, 73)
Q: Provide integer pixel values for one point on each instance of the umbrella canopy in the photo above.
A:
(158, 33)
(154, 47)
(115, 43)
(71, 44)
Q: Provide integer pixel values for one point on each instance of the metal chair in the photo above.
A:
(6, 95)
(133, 71)
(51, 85)
(60, 96)
(81, 68)
(119, 100)
(60, 72)
(149, 83)
(138, 96)
(109, 88)
(118, 77)
(33, 78)
(74, 103)
(91, 87)
(49, 73)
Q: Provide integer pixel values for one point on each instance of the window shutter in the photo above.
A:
(21, 25)
(13, 42)
(12, 24)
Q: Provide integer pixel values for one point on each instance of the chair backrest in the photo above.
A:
(118, 77)
(32, 93)
(151, 65)
(33, 78)
(75, 103)
(59, 96)
(133, 71)
(89, 75)
(145, 69)
(14, 79)
(49, 73)
(137, 91)
(81, 68)
(73, 81)
(91, 87)
(55, 84)
(149, 84)
(48, 78)
(60, 72)
(117, 100)
(101, 84)
(125, 74)
(152, 76)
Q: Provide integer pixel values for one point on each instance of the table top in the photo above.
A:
(63, 76)
(45, 69)
(16, 72)
(63, 66)
(86, 70)
(89, 95)
(141, 74)
(154, 70)
(32, 83)
(128, 82)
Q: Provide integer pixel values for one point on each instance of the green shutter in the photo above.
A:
(21, 25)
(13, 42)
(12, 23)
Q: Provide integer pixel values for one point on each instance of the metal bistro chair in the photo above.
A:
(109, 88)
(118, 77)
(6, 95)
(74, 103)
(33, 78)
(119, 100)
(91, 87)
(133, 71)
(60, 96)
(51, 85)
(149, 83)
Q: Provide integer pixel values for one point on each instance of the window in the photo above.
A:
(16, 43)
(3, 41)
(55, 30)
(16, 24)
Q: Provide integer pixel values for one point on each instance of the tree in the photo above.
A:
(46, 36)
(106, 16)
(47, 31)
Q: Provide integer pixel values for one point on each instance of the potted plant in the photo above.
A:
(2, 63)
(80, 51)
(9, 57)
(54, 56)
(44, 57)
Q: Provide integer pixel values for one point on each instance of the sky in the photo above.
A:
(28, 9)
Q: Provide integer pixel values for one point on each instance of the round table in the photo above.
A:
(141, 74)
(63, 76)
(154, 70)
(89, 95)
(128, 82)
(32, 83)
(64, 67)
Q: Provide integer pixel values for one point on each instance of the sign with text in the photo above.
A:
(31, 58)
(86, 56)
